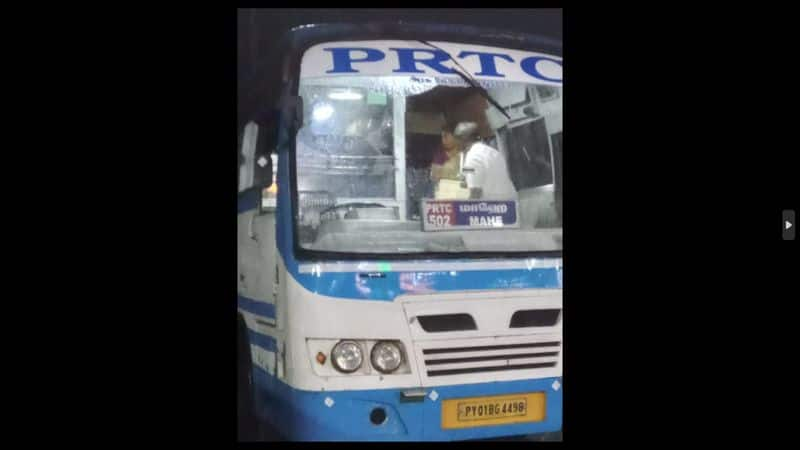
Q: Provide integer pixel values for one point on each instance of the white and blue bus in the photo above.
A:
(375, 300)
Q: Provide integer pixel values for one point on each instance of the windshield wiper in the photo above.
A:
(352, 205)
(470, 80)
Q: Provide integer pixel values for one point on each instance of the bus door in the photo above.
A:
(256, 231)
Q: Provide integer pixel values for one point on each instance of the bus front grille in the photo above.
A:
(456, 360)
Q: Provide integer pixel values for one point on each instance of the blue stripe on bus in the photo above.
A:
(351, 285)
(256, 307)
(306, 416)
(262, 340)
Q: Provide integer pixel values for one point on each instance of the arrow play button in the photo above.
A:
(788, 224)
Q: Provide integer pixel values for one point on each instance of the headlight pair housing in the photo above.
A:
(386, 356)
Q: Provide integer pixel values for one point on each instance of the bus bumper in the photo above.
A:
(350, 415)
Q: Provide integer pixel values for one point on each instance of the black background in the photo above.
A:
(678, 288)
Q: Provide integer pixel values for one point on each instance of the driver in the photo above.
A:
(484, 168)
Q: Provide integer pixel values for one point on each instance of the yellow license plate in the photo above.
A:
(493, 410)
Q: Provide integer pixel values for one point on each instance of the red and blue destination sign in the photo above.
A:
(440, 215)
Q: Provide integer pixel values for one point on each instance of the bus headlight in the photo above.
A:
(386, 356)
(346, 356)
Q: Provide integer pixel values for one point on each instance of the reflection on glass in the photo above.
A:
(371, 149)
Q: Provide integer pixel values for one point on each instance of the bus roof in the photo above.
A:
(306, 35)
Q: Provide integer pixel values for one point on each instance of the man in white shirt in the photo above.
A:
(484, 167)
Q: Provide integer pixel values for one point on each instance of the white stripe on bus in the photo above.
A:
(439, 266)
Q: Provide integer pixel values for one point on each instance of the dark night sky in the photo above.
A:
(260, 29)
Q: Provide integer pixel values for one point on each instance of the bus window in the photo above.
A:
(528, 153)
(547, 93)
(373, 149)
(346, 146)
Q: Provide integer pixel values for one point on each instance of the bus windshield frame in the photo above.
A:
(300, 42)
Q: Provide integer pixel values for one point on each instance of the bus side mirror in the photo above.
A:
(557, 173)
(255, 162)
(262, 170)
(259, 141)
(291, 107)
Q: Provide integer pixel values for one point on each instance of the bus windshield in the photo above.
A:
(420, 163)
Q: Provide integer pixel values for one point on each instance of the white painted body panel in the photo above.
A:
(257, 255)
(307, 322)
(320, 317)
(491, 310)
(484, 377)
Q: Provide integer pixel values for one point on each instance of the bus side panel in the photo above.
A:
(257, 256)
